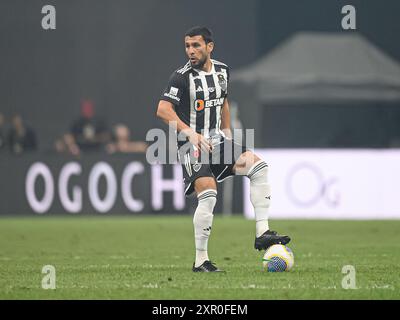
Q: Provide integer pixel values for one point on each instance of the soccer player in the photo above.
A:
(195, 103)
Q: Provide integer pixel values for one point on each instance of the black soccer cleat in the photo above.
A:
(269, 238)
(207, 266)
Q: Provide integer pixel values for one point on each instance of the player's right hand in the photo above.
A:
(200, 142)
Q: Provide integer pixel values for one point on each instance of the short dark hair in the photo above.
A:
(200, 31)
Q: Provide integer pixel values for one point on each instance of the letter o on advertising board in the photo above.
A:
(102, 169)
(35, 170)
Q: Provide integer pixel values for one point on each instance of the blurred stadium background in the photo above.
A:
(298, 79)
(324, 103)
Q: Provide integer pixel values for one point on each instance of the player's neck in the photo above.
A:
(207, 66)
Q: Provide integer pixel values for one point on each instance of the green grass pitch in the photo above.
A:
(151, 258)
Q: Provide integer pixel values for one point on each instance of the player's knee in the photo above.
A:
(245, 161)
(203, 184)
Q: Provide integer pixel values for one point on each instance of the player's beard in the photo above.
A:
(199, 64)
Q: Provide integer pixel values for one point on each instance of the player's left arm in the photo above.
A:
(226, 119)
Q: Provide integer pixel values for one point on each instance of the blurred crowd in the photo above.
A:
(87, 134)
(19, 137)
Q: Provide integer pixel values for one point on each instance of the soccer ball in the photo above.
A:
(278, 258)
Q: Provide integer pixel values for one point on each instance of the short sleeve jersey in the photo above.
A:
(198, 96)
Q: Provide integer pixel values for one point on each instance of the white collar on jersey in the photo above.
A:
(202, 72)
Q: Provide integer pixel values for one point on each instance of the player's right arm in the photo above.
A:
(170, 99)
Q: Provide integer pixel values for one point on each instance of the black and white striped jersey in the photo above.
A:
(198, 96)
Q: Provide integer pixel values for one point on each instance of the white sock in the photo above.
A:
(202, 222)
(201, 256)
(260, 195)
(261, 227)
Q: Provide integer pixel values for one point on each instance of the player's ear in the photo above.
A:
(210, 47)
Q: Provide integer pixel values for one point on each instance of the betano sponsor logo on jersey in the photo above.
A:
(200, 104)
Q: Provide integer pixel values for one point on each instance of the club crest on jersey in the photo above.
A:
(222, 82)
(173, 91)
(196, 166)
(173, 94)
